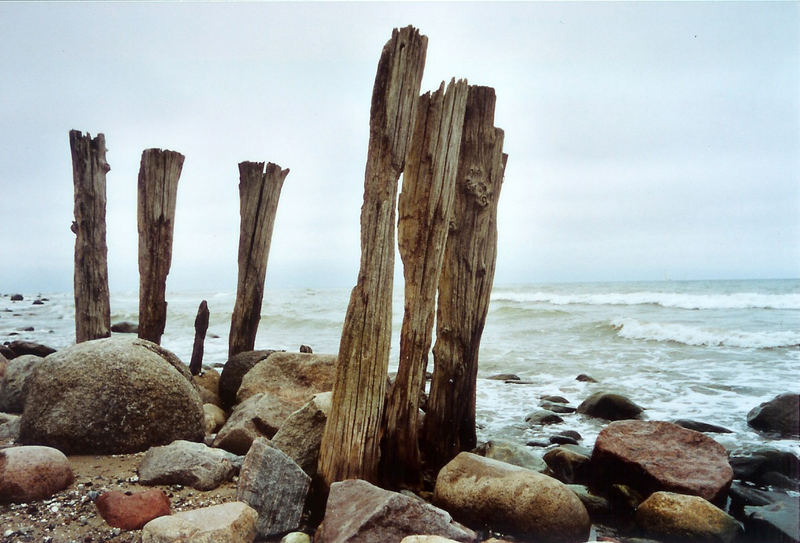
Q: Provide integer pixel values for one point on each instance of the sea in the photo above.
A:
(709, 351)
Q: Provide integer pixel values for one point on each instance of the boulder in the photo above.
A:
(678, 517)
(779, 416)
(698, 426)
(556, 407)
(290, 378)
(778, 520)
(188, 463)
(301, 434)
(19, 348)
(132, 511)
(554, 399)
(253, 418)
(17, 297)
(511, 453)
(480, 491)
(296, 537)
(596, 506)
(585, 378)
(652, 455)
(762, 465)
(609, 406)
(125, 327)
(568, 466)
(3, 365)
(32, 473)
(112, 395)
(207, 382)
(214, 417)
(542, 417)
(233, 522)
(12, 395)
(359, 511)
(233, 371)
(272, 484)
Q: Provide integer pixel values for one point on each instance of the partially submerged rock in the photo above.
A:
(681, 518)
(779, 416)
(511, 453)
(609, 406)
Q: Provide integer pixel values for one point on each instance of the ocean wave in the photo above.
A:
(738, 300)
(692, 335)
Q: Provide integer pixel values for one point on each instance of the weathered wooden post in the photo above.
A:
(159, 172)
(350, 444)
(200, 328)
(465, 283)
(89, 168)
(259, 191)
(424, 209)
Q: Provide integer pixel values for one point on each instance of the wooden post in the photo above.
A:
(350, 444)
(259, 191)
(424, 209)
(200, 328)
(465, 284)
(158, 188)
(89, 168)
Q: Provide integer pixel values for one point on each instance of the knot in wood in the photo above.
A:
(476, 185)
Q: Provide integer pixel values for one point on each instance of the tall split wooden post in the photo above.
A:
(424, 209)
(465, 283)
(159, 172)
(89, 168)
(350, 444)
(259, 192)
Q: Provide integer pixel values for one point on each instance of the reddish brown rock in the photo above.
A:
(650, 456)
(32, 473)
(132, 511)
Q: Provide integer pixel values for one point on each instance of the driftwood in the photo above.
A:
(200, 329)
(89, 168)
(465, 284)
(259, 191)
(158, 188)
(350, 444)
(424, 210)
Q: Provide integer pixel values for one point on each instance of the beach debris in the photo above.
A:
(609, 406)
(779, 416)
(189, 464)
(670, 516)
(32, 472)
(351, 444)
(112, 395)
(200, 328)
(131, 511)
(359, 511)
(89, 168)
(232, 522)
(274, 486)
(483, 492)
(259, 191)
(299, 437)
(159, 171)
(653, 455)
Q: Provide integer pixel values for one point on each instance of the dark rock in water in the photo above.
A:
(779, 480)
(651, 456)
(520, 382)
(609, 406)
(125, 327)
(571, 433)
(16, 297)
(556, 407)
(778, 521)
(742, 494)
(38, 302)
(568, 466)
(561, 439)
(585, 378)
(233, 372)
(759, 463)
(305, 349)
(701, 426)
(26, 329)
(534, 443)
(779, 416)
(7, 353)
(554, 399)
(541, 417)
(29, 347)
(12, 385)
(504, 377)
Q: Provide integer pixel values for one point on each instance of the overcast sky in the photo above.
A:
(646, 140)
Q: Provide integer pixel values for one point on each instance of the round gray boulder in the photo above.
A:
(113, 395)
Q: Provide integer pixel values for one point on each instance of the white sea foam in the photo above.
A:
(693, 335)
(738, 300)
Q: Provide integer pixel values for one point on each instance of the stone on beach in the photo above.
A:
(233, 522)
(779, 416)
(32, 473)
(652, 455)
(568, 466)
(207, 382)
(678, 517)
(19, 348)
(9, 428)
(12, 385)
(274, 486)
(214, 417)
(359, 511)
(125, 327)
(255, 417)
(510, 499)
(301, 434)
(188, 463)
(132, 511)
(112, 395)
(609, 406)
(511, 453)
(235, 368)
